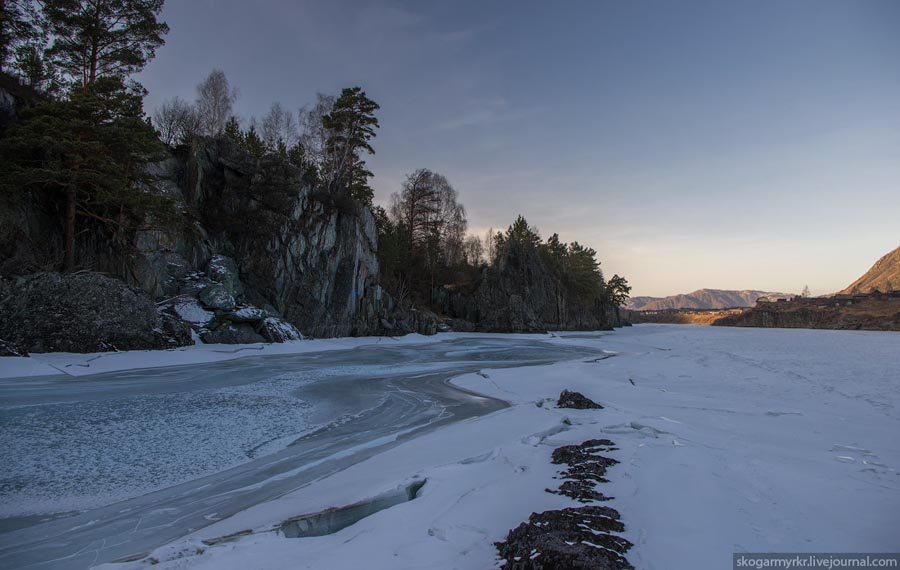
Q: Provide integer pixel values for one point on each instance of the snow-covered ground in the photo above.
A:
(730, 440)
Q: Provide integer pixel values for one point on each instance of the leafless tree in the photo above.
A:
(473, 250)
(489, 249)
(314, 135)
(177, 121)
(215, 103)
(428, 210)
(279, 127)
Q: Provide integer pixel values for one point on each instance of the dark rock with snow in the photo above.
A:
(576, 401)
(573, 538)
(232, 333)
(586, 468)
(246, 315)
(577, 538)
(216, 296)
(8, 349)
(82, 312)
(225, 271)
(274, 329)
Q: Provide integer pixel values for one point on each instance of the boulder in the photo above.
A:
(246, 315)
(576, 401)
(276, 330)
(215, 296)
(189, 310)
(82, 312)
(225, 271)
(232, 333)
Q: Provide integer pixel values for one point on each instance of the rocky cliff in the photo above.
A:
(255, 253)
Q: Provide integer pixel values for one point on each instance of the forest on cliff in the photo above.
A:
(91, 181)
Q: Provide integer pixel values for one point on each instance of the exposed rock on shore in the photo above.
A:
(576, 401)
(82, 312)
(573, 538)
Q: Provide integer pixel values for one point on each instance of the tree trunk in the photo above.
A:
(69, 239)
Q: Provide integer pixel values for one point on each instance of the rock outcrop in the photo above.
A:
(257, 254)
(213, 304)
(82, 312)
(272, 240)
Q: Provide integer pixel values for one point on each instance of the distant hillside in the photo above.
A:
(700, 299)
(883, 276)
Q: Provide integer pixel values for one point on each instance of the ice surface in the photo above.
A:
(729, 440)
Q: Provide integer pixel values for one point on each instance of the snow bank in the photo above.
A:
(730, 440)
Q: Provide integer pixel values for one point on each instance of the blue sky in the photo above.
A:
(694, 144)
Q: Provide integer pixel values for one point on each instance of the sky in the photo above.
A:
(716, 144)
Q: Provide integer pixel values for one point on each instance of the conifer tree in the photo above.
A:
(619, 290)
(88, 155)
(103, 38)
(350, 125)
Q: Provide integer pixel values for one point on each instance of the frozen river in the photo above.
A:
(102, 467)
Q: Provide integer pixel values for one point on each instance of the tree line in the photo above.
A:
(326, 140)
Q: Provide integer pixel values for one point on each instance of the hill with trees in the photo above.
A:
(236, 229)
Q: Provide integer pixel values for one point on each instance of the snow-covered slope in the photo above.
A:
(731, 440)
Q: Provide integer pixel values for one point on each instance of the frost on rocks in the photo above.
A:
(276, 330)
(189, 310)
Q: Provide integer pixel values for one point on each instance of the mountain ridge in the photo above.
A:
(883, 276)
(700, 299)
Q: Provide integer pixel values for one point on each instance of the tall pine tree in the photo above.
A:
(351, 125)
(87, 156)
(101, 38)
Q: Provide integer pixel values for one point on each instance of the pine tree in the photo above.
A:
(87, 154)
(20, 29)
(233, 131)
(253, 143)
(618, 290)
(351, 125)
(103, 38)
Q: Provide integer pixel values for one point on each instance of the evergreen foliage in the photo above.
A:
(351, 126)
(87, 155)
(102, 38)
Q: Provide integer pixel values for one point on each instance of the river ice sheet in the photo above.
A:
(138, 457)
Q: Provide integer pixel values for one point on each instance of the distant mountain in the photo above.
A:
(700, 299)
(883, 276)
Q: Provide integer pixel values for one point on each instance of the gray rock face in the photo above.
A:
(270, 239)
(82, 312)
